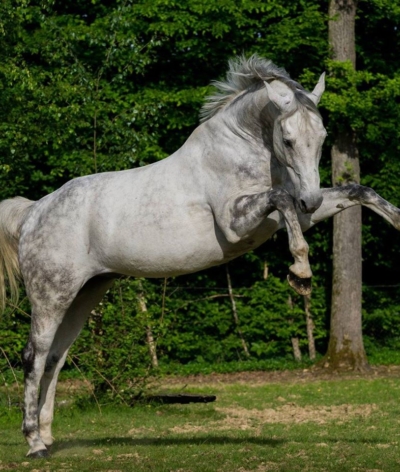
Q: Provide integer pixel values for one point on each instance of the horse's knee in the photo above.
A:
(362, 194)
(281, 199)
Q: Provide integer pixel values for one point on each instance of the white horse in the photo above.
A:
(248, 170)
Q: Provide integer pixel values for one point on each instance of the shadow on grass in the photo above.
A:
(65, 445)
(132, 442)
(195, 441)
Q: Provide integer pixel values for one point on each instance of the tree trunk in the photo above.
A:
(149, 333)
(345, 349)
(265, 271)
(296, 349)
(310, 327)
(234, 312)
(342, 39)
(294, 339)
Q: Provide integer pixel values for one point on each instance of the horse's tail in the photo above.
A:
(12, 214)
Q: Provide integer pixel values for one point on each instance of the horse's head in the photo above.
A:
(298, 135)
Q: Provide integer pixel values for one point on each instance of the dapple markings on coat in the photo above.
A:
(248, 170)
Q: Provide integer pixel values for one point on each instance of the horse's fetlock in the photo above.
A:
(29, 430)
(300, 251)
(45, 434)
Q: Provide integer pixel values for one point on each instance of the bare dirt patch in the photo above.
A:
(69, 388)
(263, 467)
(239, 418)
(291, 413)
(289, 376)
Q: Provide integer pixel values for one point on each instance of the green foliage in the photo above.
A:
(202, 327)
(382, 320)
(93, 86)
(193, 326)
(111, 351)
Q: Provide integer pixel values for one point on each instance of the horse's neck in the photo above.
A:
(234, 162)
(279, 174)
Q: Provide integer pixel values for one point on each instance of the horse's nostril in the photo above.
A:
(303, 206)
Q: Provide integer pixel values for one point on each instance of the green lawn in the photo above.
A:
(331, 425)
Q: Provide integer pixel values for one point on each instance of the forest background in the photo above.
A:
(94, 86)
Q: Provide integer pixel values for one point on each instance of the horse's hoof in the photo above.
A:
(41, 454)
(301, 286)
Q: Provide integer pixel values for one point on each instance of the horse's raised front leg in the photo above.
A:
(248, 212)
(337, 199)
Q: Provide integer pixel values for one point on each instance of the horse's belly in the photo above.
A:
(166, 241)
(175, 249)
(161, 256)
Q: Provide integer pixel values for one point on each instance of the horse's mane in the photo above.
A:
(244, 73)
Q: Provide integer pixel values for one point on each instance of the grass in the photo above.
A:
(331, 425)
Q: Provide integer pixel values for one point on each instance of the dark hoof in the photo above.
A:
(39, 454)
(302, 286)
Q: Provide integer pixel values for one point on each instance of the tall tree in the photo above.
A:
(345, 349)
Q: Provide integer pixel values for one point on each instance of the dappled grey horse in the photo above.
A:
(248, 170)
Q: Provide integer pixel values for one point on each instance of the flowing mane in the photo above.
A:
(244, 74)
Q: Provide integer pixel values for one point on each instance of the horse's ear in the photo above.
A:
(282, 102)
(319, 89)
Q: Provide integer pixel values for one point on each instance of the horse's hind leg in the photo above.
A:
(43, 329)
(51, 298)
(90, 295)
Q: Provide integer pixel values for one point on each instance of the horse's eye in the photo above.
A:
(287, 143)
